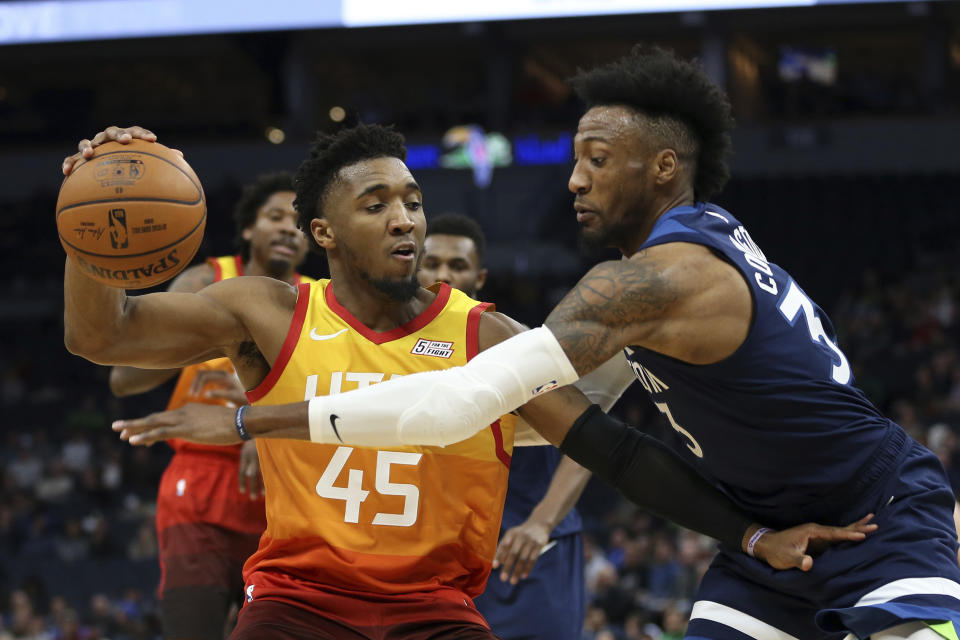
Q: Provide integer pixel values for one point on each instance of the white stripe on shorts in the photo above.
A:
(909, 587)
(742, 622)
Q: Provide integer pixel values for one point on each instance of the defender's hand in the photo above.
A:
(123, 135)
(792, 548)
(249, 480)
(194, 422)
(519, 549)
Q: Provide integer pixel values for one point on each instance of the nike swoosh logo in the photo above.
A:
(327, 336)
(333, 423)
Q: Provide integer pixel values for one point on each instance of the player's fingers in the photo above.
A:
(117, 134)
(806, 563)
(150, 436)
(85, 148)
(525, 562)
(508, 561)
(178, 152)
(69, 162)
(142, 133)
(505, 548)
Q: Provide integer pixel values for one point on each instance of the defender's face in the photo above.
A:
(609, 178)
(374, 219)
(274, 237)
(453, 260)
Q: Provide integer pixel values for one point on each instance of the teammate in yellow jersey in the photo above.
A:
(363, 542)
(206, 526)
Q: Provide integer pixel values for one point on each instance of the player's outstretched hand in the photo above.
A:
(123, 135)
(249, 479)
(794, 548)
(194, 422)
(519, 549)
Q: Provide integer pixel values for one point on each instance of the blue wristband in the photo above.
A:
(238, 421)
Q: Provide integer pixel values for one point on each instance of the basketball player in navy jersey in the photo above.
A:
(740, 361)
(540, 590)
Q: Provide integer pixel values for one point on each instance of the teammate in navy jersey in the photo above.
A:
(741, 362)
(540, 590)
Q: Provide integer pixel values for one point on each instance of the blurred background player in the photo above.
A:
(540, 593)
(206, 526)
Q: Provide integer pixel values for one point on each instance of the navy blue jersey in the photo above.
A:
(778, 424)
(531, 470)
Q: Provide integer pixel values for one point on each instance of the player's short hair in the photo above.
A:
(456, 224)
(681, 104)
(330, 153)
(253, 197)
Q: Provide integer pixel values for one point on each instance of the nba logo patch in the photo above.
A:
(250, 593)
(548, 386)
(434, 348)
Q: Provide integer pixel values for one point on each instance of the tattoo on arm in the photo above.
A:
(612, 307)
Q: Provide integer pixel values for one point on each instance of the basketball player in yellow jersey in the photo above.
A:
(206, 526)
(363, 542)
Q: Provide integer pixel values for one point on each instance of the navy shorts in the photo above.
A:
(547, 604)
(906, 570)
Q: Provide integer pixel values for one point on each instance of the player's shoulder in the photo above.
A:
(495, 327)
(251, 292)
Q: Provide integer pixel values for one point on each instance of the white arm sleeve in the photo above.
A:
(438, 408)
(603, 386)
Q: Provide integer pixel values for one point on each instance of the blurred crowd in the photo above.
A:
(77, 542)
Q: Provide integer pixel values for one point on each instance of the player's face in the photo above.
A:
(374, 216)
(275, 241)
(609, 178)
(453, 260)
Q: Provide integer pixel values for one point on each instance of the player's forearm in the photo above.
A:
(91, 313)
(565, 488)
(288, 421)
(439, 408)
(654, 477)
(128, 381)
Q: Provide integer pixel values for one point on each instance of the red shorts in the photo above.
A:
(202, 487)
(274, 620)
(206, 531)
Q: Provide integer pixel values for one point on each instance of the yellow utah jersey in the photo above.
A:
(384, 522)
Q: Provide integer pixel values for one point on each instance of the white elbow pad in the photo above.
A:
(438, 408)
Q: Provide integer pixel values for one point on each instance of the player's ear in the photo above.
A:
(322, 233)
(247, 234)
(667, 166)
(481, 279)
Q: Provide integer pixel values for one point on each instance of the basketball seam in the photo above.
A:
(135, 255)
(170, 200)
(146, 153)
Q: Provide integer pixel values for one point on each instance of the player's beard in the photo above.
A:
(397, 289)
(594, 241)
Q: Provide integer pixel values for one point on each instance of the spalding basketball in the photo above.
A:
(132, 216)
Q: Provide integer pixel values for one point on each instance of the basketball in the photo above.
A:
(132, 216)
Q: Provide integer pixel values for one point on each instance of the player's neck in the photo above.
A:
(373, 307)
(633, 241)
(254, 268)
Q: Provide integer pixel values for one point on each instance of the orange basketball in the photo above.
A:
(132, 216)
